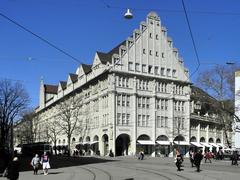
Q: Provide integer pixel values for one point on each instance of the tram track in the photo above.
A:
(94, 174)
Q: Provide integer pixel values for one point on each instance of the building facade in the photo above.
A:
(135, 97)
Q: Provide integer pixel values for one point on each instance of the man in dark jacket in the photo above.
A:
(197, 159)
(13, 169)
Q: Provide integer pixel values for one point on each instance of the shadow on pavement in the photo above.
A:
(62, 161)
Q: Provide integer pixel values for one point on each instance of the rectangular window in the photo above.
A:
(123, 118)
(183, 106)
(182, 123)
(157, 102)
(163, 55)
(143, 120)
(150, 35)
(162, 104)
(156, 70)
(137, 68)
(128, 100)
(156, 54)
(148, 102)
(123, 100)
(139, 102)
(128, 119)
(143, 102)
(118, 118)
(174, 73)
(157, 36)
(162, 121)
(144, 68)
(168, 72)
(123, 82)
(119, 100)
(166, 121)
(150, 69)
(150, 52)
(147, 120)
(144, 51)
(158, 121)
(130, 66)
(162, 71)
(166, 104)
(139, 120)
(127, 85)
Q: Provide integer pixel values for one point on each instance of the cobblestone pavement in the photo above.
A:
(129, 168)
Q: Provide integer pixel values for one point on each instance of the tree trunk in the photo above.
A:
(69, 146)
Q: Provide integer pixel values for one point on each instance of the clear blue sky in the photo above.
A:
(82, 27)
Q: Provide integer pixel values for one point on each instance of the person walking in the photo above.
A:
(45, 163)
(35, 164)
(191, 156)
(235, 158)
(197, 159)
(13, 169)
(179, 160)
(208, 156)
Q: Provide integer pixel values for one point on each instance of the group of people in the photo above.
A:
(37, 162)
(195, 159)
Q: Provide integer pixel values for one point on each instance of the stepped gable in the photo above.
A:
(86, 68)
(63, 84)
(74, 77)
(50, 89)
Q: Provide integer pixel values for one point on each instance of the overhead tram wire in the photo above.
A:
(193, 41)
(171, 10)
(40, 37)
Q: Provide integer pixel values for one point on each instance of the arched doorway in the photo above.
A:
(163, 146)
(122, 143)
(87, 146)
(218, 141)
(181, 144)
(211, 140)
(202, 139)
(95, 145)
(105, 144)
(145, 144)
(193, 139)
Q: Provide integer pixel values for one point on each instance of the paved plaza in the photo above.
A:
(129, 168)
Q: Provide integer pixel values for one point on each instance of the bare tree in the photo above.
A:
(23, 128)
(53, 132)
(13, 100)
(219, 83)
(69, 112)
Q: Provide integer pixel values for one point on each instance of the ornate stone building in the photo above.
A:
(134, 97)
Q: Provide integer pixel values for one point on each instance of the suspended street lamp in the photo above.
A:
(128, 14)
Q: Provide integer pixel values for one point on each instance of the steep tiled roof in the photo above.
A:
(116, 49)
(50, 89)
(63, 84)
(86, 68)
(104, 57)
(74, 77)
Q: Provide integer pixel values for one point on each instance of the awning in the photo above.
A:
(146, 142)
(94, 142)
(196, 144)
(184, 143)
(85, 143)
(205, 144)
(220, 145)
(214, 145)
(163, 142)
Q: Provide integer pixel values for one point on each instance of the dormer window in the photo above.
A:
(157, 36)
(156, 53)
(150, 35)
(163, 56)
(150, 52)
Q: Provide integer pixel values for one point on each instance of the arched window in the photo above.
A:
(202, 139)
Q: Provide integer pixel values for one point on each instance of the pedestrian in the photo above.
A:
(13, 169)
(35, 164)
(235, 158)
(197, 159)
(179, 160)
(191, 156)
(208, 156)
(45, 163)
